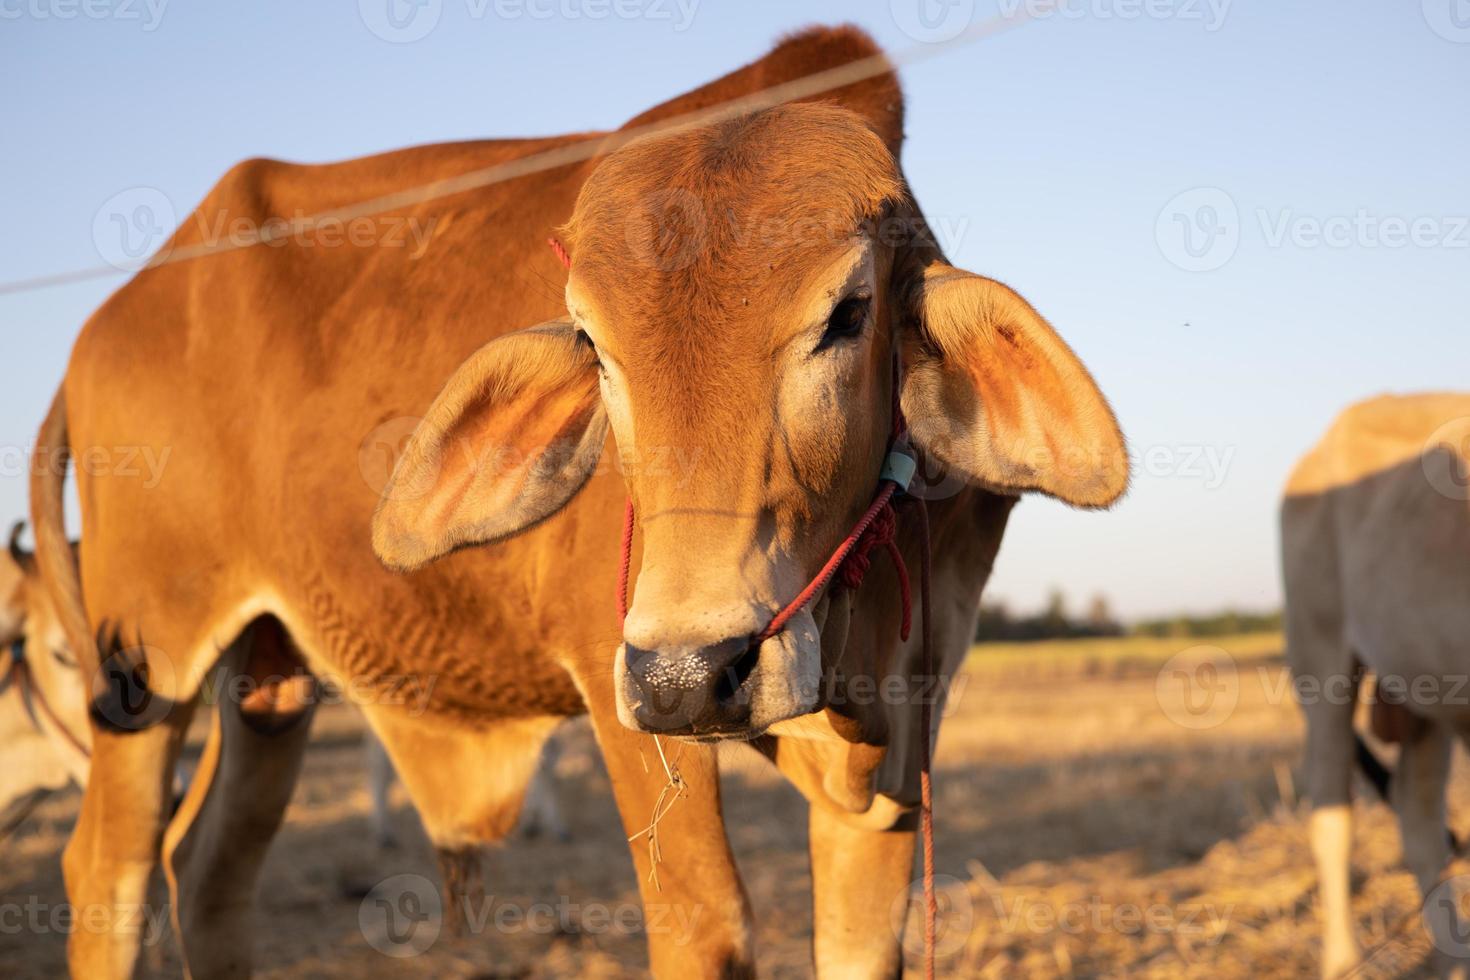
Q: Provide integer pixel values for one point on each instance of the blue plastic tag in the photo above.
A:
(899, 467)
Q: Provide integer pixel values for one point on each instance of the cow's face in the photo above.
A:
(737, 299)
(34, 757)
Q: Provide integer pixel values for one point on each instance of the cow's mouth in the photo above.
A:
(710, 738)
(731, 685)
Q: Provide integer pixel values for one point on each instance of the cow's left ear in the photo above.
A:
(23, 560)
(991, 390)
(510, 440)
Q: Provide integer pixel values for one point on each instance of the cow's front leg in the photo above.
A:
(859, 877)
(696, 913)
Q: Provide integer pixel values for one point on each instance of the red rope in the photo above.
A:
(878, 526)
(883, 531)
(30, 694)
(627, 562)
(926, 722)
(879, 504)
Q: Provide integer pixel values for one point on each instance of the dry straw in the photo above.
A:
(672, 792)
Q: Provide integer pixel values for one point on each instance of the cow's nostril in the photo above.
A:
(694, 688)
(636, 657)
(733, 677)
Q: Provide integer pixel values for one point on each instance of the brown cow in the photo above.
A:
(739, 293)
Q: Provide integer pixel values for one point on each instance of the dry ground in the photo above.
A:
(1086, 826)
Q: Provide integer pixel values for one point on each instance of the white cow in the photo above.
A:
(43, 722)
(1375, 540)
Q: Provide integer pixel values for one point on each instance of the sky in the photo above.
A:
(1243, 215)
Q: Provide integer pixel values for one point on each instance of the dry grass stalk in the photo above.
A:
(672, 792)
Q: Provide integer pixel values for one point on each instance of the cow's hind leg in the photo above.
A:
(113, 849)
(215, 845)
(1419, 798)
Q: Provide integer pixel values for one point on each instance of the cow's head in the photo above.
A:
(735, 299)
(35, 757)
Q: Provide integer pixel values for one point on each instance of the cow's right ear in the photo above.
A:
(510, 440)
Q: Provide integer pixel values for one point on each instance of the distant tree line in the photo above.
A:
(1220, 624)
(1055, 621)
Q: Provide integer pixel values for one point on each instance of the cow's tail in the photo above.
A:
(54, 554)
(1380, 777)
(1373, 769)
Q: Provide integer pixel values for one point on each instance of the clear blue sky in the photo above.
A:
(1057, 151)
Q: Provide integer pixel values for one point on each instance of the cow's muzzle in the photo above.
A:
(704, 691)
(733, 688)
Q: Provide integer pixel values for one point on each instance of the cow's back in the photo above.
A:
(1376, 532)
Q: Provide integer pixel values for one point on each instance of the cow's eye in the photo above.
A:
(847, 318)
(586, 342)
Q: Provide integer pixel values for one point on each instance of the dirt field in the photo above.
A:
(1093, 820)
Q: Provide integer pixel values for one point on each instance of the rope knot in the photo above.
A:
(881, 531)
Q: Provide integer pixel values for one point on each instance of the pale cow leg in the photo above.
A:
(1331, 745)
(858, 876)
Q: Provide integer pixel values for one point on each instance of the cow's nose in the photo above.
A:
(696, 691)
